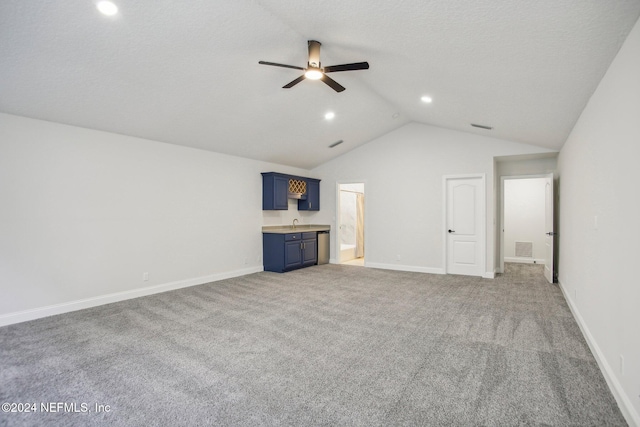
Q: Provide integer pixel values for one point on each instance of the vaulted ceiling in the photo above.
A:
(187, 72)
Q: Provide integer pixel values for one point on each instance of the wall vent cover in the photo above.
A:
(524, 249)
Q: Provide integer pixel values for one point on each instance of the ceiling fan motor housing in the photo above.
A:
(314, 53)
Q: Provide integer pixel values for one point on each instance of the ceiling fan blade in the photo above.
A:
(293, 83)
(347, 67)
(332, 83)
(280, 65)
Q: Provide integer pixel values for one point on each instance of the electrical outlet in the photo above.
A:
(246, 261)
(398, 257)
(145, 276)
(621, 365)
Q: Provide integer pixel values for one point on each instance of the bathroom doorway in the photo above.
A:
(351, 205)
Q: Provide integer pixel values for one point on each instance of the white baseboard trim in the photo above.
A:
(624, 402)
(524, 260)
(398, 267)
(50, 310)
(489, 275)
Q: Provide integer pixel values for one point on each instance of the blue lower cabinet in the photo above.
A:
(310, 250)
(284, 252)
(292, 255)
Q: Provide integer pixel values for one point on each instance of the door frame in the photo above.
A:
(501, 230)
(336, 243)
(483, 220)
(551, 234)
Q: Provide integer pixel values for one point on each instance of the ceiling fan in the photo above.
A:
(314, 70)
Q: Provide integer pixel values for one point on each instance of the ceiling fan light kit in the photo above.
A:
(314, 70)
(313, 74)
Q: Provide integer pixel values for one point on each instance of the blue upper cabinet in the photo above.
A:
(277, 188)
(312, 203)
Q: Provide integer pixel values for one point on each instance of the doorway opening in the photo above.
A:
(351, 223)
(527, 231)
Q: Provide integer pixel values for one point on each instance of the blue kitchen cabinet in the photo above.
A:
(312, 202)
(292, 255)
(284, 252)
(309, 249)
(276, 192)
(275, 188)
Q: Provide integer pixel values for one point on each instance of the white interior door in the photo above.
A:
(550, 233)
(465, 225)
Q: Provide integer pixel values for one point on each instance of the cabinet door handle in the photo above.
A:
(310, 205)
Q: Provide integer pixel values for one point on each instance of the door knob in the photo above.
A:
(451, 231)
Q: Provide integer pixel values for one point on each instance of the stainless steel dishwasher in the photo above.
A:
(323, 247)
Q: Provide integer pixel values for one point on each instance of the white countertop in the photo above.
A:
(301, 228)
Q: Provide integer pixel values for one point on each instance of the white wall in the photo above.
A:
(287, 217)
(84, 213)
(598, 172)
(402, 172)
(524, 217)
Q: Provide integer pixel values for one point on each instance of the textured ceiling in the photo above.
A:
(187, 72)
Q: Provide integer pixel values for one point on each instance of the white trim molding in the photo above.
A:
(66, 307)
(624, 402)
(524, 260)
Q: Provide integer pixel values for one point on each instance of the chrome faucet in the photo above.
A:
(294, 223)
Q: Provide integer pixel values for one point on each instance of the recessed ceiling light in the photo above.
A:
(330, 115)
(426, 99)
(107, 8)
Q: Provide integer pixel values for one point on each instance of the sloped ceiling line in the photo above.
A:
(187, 73)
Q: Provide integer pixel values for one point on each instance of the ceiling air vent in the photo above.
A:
(475, 125)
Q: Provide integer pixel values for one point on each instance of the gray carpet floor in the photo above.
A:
(328, 345)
